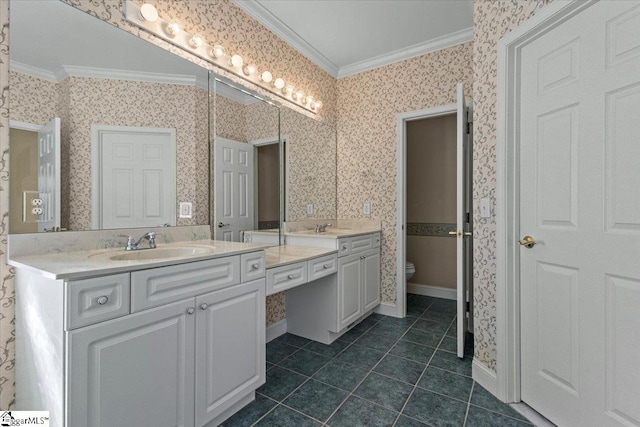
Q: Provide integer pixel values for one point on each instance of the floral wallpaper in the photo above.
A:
(491, 21)
(88, 101)
(368, 105)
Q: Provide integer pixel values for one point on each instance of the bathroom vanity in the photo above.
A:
(106, 341)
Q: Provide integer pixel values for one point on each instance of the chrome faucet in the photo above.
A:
(133, 245)
(321, 228)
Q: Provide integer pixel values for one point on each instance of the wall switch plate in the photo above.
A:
(186, 209)
(310, 209)
(485, 208)
(366, 209)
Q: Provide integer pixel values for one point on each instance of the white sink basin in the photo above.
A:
(158, 253)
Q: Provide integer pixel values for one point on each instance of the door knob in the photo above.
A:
(220, 225)
(528, 242)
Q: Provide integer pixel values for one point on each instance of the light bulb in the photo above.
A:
(173, 29)
(298, 96)
(278, 83)
(317, 105)
(236, 61)
(217, 51)
(308, 100)
(288, 90)
(195, 42)
(266, 76)
(148, 12)
(249, 69)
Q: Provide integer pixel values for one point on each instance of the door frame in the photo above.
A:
(269, 141)
(400, 308)
(506, 383)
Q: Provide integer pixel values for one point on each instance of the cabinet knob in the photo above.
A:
(255, 266)
(362, 257)
(290, 277)
(103, 300)
(326, 266)
(344, 247)
(191, 310)
(204, 306)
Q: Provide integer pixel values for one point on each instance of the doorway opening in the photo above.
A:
(267, 182)
(434, 234)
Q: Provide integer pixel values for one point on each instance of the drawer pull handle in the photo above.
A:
(255, 266)
(326, 266)
(290, 277)
(191, 310)
(204, 306)
(103, 300)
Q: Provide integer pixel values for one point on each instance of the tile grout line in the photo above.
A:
(424, 370)
(466, 414)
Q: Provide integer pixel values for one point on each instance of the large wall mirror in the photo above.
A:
(111, 131)
(107, 130)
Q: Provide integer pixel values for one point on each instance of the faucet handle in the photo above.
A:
(131, 242)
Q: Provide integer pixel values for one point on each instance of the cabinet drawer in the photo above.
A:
(158, 286)
(286, 277)
(361, 243)
(94, 300)
(377, 238)
(321, 267)
(253, 266)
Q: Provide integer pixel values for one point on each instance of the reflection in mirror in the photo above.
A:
(308, 155)
(246, 163)
(107, 130)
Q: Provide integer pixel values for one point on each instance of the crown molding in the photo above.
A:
(448, 40)
(29, 70)
(107, 73)
(276, 26)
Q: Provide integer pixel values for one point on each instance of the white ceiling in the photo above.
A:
(350, 36)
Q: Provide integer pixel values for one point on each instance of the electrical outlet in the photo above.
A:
(310, 209)
(366, 209)
(485, 208)
(186, 209)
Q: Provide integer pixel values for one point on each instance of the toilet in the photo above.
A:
(410, 270)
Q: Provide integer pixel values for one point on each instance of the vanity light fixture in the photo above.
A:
(236, 61)
(172, 29)
(249, 69)
(278, 83)
(195, 42)
(266, 76)
(148, 12)
(146, 16)
(217, 51)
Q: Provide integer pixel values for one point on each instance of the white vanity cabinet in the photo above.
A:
(184, 347)
(324, 309)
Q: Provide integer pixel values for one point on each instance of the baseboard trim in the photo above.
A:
(432, 291)
(485, 377)
(276, 329)
(387, 309)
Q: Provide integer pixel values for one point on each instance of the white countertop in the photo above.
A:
(330, 233)
(77, 265)
(289, 254)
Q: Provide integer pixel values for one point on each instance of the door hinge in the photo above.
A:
(468, 307)
(468, 128)
(468, 217)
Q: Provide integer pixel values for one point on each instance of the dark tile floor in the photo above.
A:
(383, 372)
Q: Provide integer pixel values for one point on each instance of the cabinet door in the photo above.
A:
(371, 279)
(133, 371)
(230, 347)
(349, 290)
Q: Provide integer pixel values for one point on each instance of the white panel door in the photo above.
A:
(230, 347)
(234, 183)
(49, 175)
(134, 172)
(462, 208)
(580, 201)
(134, 371)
